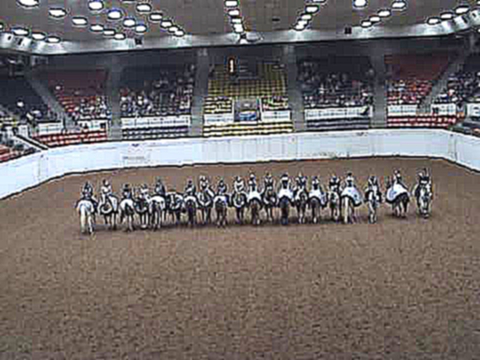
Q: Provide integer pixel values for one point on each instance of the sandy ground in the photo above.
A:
(400, 289)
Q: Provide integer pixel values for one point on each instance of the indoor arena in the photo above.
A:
(239, 180)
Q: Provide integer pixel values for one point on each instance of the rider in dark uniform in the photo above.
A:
(160, 188)
(423, 180)
(301, 181)
(334, 184)
(285, 181)
(397, 179)
(252, 182)
(268, 181)
(373, 181)
(127, 192)
(87, 194)
(316, 183)
(222, 189)
(190, 189)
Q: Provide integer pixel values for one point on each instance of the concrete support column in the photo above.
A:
(113, 98)
(294, 94)
(379, 119)
(200, 91)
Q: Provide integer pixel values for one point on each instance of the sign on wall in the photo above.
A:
(339, 113)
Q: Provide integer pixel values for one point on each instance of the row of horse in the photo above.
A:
(153, 210)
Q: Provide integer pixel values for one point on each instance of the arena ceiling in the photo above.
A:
(208, 22)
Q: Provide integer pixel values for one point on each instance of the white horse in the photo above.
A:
(86, 211)
(127, 211)
(334, 204)
(156, 207)
(424, 200)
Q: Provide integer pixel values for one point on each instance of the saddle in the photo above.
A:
(318, 194)
(353, 193)
(285, 193)
(254, 195)
(394, 191)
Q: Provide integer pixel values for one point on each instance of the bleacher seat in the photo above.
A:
(72, 138)
(424, 121)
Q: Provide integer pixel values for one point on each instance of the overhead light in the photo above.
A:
(462, 9)
(447, 15)
(96, 27)
(20, 31)
(28, 3)
(172, 29)
(129, 22)
(141, 28)
(478, 30)
(384, 13)
(306, 17)
(179, 33)
(319, 1)
(20, 104)
(144, 7)
(39, 36)
(120, 36)
(79, 21)
(238, 28)
(236, 20)
(2, 26)
(155, 17)
(366, 23)
(433, 21)
(57, 13)
(374, 19)
(302, 23)
(115, 14)
(312, 9)
(399, 5)
(166, 24)
(359, 3)
(234, 12)
(52, 39)
(231, 3)
(299, 27)
(95, 5)
(109, 32)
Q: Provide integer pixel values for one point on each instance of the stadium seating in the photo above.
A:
(464, 85)
(81, 93)
(411, 77)
(19, 98)
(159, 91)
(155, 133)
(13, 152)
(266, 84)
(72, 138)
(423, 121)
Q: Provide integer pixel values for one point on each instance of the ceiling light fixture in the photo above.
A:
(95, 5)
(109, 32)
(238, 28)
(129, 22)
(399, 5)
(179, 33)
(303, 23)
(155, 17)
(20, 31)
(374, 19)
(52, 39)
(447, 15)
(231, 3)
(234, 12)
(462, 9)
(433, 21)
(79, 21)
(120, 36)
(28, 3)
(115, 14)
(166, 24)
(140, 28)
(172, 29)
(144, 8)
(299, 27)
(312, 9)
(306, 17)
(359, 4)
(96, 28)
(39, 36)
(366, 23)
(384, 13)
(57, 13)
(236, 20)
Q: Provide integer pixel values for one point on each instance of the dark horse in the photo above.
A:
(142, 209)
(301, 201)
(221, 207)
(191, 208)
(269, 198)
(239, 201)
(284, 204)
(205, 204)
(175, 203)
(255, 206)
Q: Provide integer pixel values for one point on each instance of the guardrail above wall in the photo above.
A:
(18, 175)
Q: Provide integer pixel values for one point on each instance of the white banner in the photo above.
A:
(473, 110)
(157, 121)
(218, 119)
(50, 128)
(444, 109)
(402, 110)
(283, 115)
(94, 125)
(338, 113)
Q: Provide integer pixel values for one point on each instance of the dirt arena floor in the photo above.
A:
(400, 289)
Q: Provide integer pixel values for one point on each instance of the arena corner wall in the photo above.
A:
(30, 171)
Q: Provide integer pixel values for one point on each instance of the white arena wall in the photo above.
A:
(23, 173)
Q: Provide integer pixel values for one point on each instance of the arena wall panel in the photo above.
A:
(23, 173)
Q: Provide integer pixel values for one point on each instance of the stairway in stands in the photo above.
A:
(42, 90)
(442, 81)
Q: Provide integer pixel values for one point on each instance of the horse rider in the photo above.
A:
(252, 182)
(222, 189)
(285, 182)
(371, 184)
(160, 188)
(268, 182)
(87, 194)
(334, 184)
(144, 192)
(190, 189)
(127, 192)
(423, 180)
(301, 181)
(397, 179)
(316, 183)
(203, 183)
(239, 185)
(349, 180)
